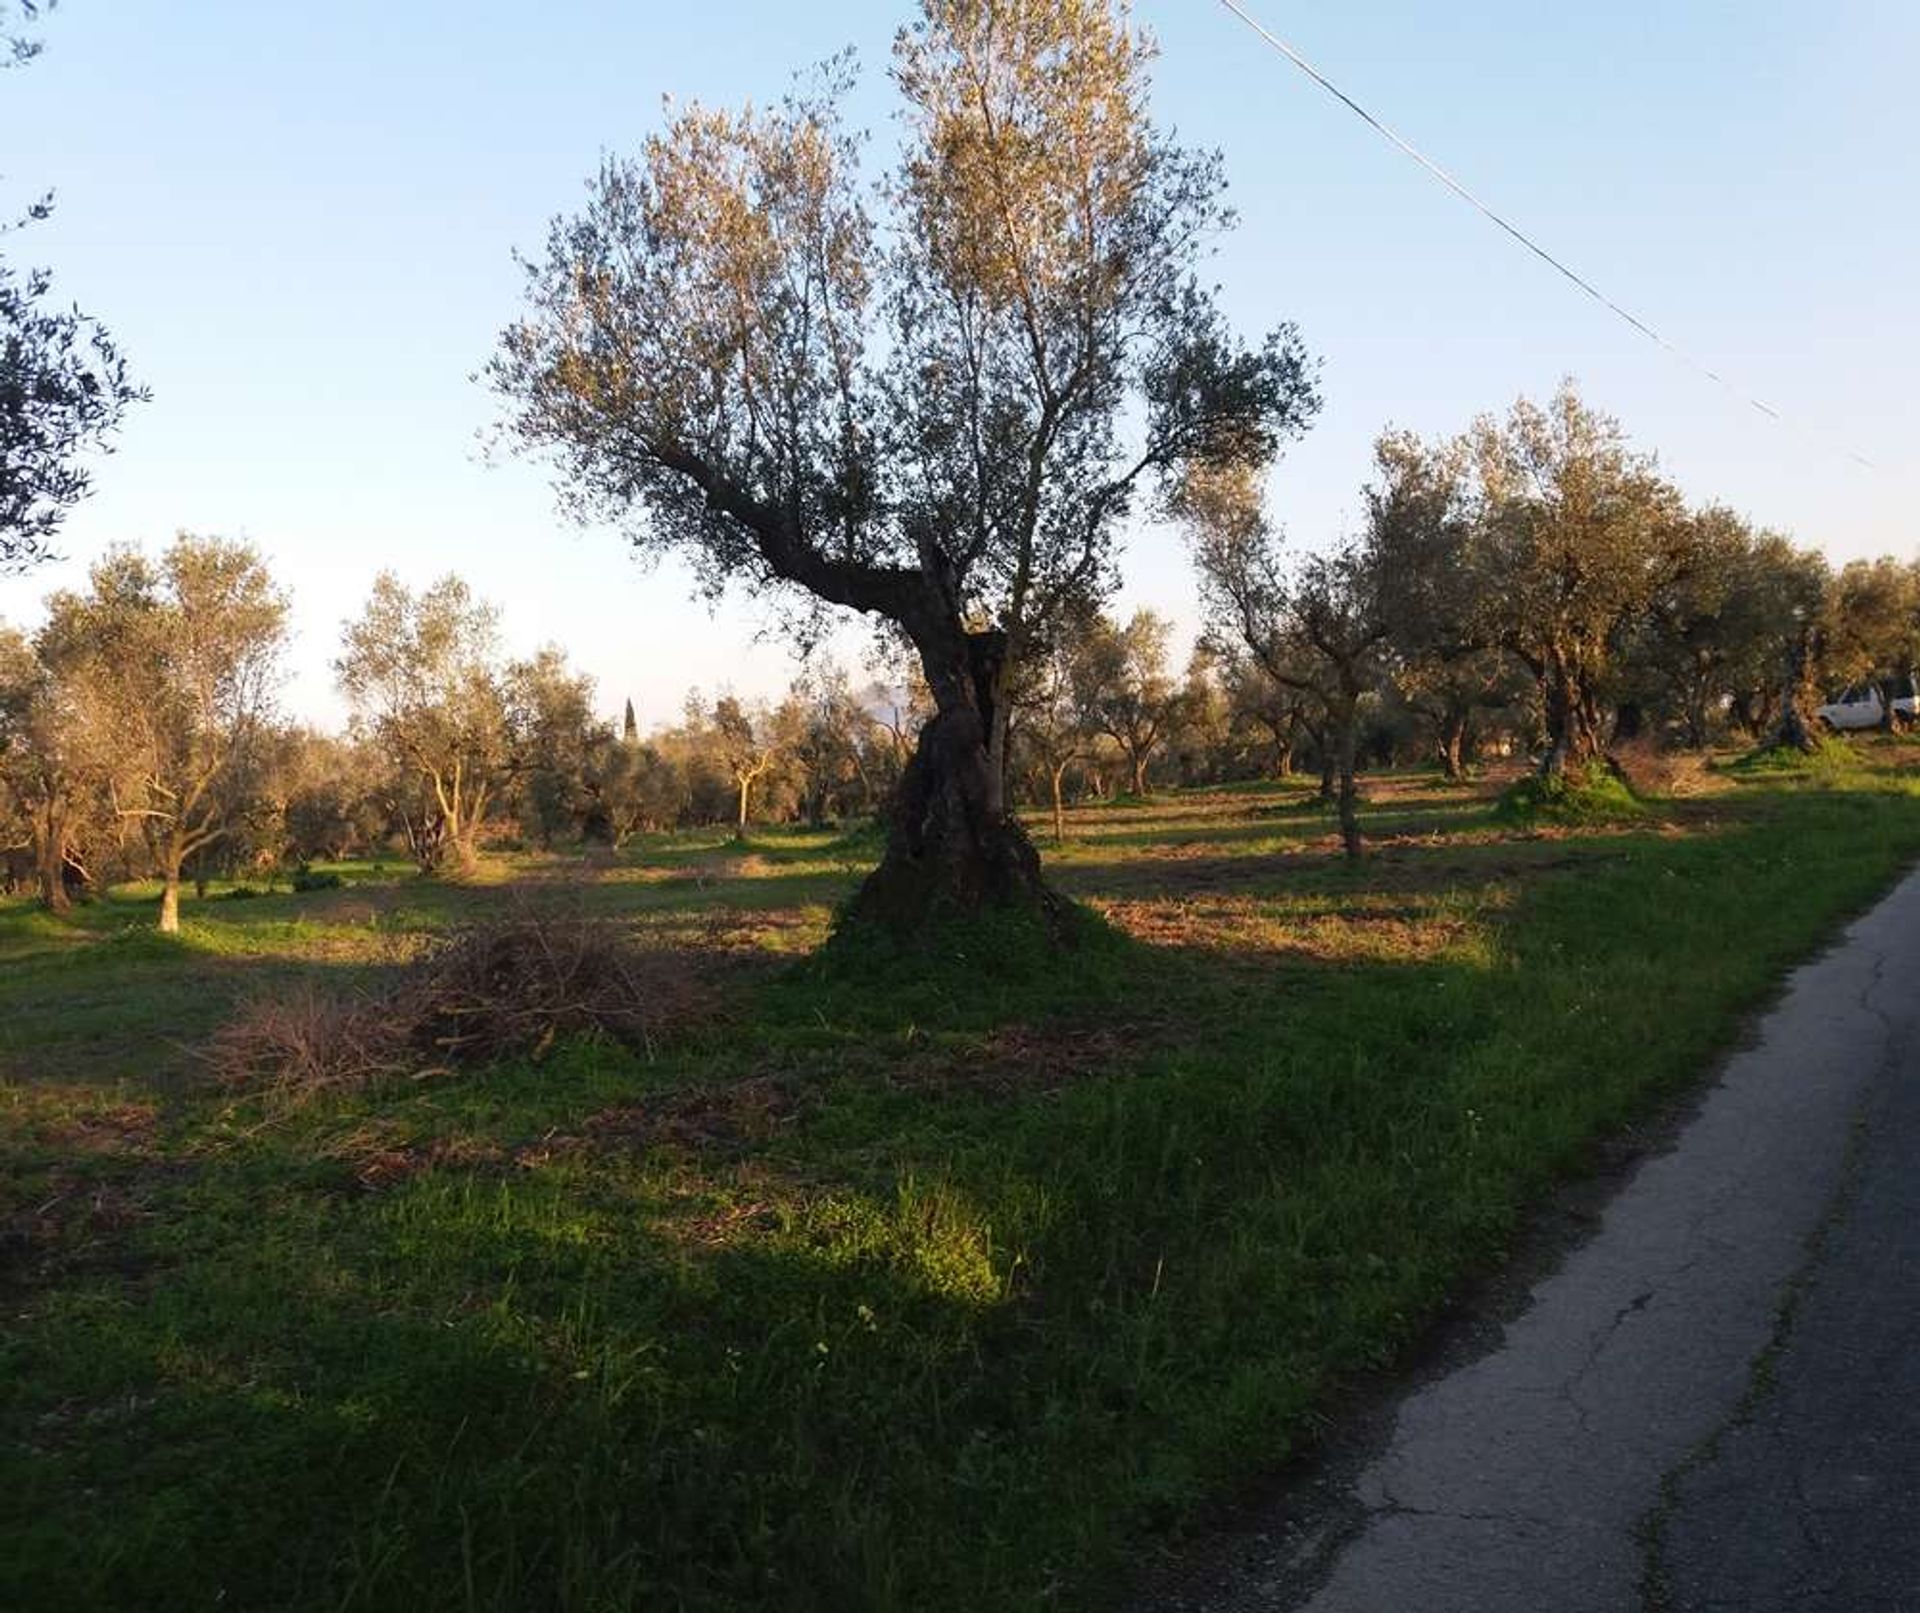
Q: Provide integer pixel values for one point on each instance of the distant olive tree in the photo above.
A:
(552, 732)
(1124, 687)
(944, 422)
(1317, 624)
(171, 669)
(1581, 533)
(1439, 582)
(423, 677)
(748, 748)
(42, 784)
(1714, 632)
(1873, 622)
(1056, 728)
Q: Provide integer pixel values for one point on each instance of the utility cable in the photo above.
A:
(1511, 229)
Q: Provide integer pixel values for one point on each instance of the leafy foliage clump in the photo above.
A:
(1596, 795)
(312, 879)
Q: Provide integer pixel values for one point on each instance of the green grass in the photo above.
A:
(1831, 758)
(912, 1281)
(1594, 797)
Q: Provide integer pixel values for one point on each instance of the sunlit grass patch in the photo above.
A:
(1382, 928)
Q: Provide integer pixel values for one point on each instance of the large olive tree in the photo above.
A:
(942, 422)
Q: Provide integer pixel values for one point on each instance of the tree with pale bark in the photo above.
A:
(423, 677)
(943, 423)
(750, 750)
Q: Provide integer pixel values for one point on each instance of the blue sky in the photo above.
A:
(300, 219)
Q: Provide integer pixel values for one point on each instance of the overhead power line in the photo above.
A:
(1518, 234)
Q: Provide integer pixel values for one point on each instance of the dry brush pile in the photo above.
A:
(509, 987)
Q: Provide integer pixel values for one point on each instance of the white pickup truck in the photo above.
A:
(1865, 705)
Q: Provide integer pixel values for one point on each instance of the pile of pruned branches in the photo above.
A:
(509, 987)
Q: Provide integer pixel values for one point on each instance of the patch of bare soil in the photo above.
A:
(1018, 1061)
(377, 1166)
(723, 1117)
(733, 1117)
(123, 1130)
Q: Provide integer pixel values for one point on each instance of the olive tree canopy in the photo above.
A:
(63, 381)
(942, 422)
(170, 668)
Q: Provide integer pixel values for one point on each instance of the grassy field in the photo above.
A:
(876, 1283)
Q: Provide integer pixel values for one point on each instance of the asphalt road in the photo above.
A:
(1712, 1404)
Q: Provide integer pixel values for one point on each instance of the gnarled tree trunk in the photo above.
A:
(50, 857)
(1347, 728)
(1573, 726)
(1794, 730)
(1452, 733)
(953, 849)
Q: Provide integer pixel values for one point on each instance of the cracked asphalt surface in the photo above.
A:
(1713, 1403)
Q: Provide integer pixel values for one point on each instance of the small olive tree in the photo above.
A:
(1125, 690)
(1317, 625)
(423, 676)
(41, 780)
(171, 668)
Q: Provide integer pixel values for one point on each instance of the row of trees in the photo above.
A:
(139, 735)
(1540, 571)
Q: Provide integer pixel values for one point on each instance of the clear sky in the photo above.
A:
(299, 220)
